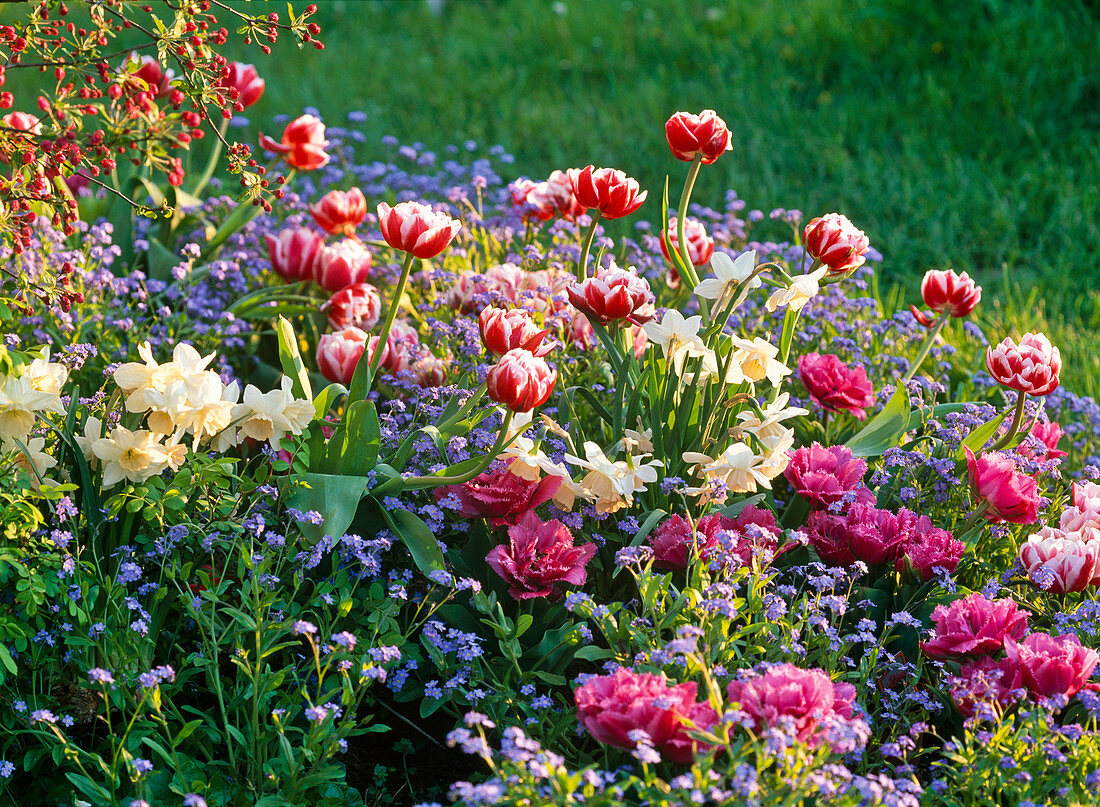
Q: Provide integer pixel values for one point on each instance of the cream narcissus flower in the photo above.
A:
(166, 407)
(19, 401)
(268, 416)
(757, 360)
(737, 469)
(803, 288)
(47, 377)
(131, 455)
(775, 457)
(32, 459)
(299, 412)
(93, 430)
(677, 336)
(774, 415)
(605, 483)
(728, 275)
(210, 405)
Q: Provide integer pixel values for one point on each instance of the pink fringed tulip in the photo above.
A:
(1052, 665)
(974, 626)
(835, 242)
(338, 353)
(704, 134)
(929, 548)
(341, 264)
(1032, 367)
(943, 290)
(716, 538)
(1059, 564)
(503, 330)
(302, 145)
(987, 681)
(1049, 434)
(521, 380)
(417, 229)
(865, 534)
(610, 707)
(539, 557)
(357, 304)
(835, 386)
(804, 702)
(608, 190)
(1009, 495)
(823, 476)
(243, 84)
(613, 294)
(340, 212)
(294, 252)
(500, 496)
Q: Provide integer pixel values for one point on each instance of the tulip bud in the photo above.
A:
(358, 304)
(416, 228)
(946, 291)
(246, 81)
(338, 353)
(503, 330)
(302, 145)
(339, 213)
(836, 243)
(430, 371)
(341, 264)
(609, 190)
(294, 252)
(689, 135)
(700, 245)
(613, 294)
(521, 380)
(1009, 495)
(1032, 367)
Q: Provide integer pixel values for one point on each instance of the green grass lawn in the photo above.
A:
(960, 135)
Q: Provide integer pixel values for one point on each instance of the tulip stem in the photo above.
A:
(391, 315)
(1017, 419)
(421, 482)
(926, 346)
(582, 267)
(681, 219)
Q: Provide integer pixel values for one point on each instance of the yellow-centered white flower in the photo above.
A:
(757, 361)
(131, 455)
(737, 468)
(774, 415)
(803, 288)
(678, 337)
(47, 377)
(19, 401)
(32, 459)
(728, 275)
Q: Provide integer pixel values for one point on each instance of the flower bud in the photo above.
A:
(338, 353)
(246, 81)
(836, 243)
(358, 304)
(943, 290)
(521, 380)
(1032, 367)
(416, 228)
(294, 252)
(689, 135)
(609, 190)
(339, 212)
(503, 330)
(1009, 495)
(341, 264)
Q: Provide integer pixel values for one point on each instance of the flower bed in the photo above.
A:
(423, 476)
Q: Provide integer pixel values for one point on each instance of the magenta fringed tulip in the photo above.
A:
(540, 557)
(500, 496)
(824, 476)
(1031, 367)
(704, 134)
(521, 380)
(294, 252)
(608, 190)
(836, 243)
(974, 626)
(835, 386)
(417, 229)
(1009, 495)
(1052, 665)
(340, 212)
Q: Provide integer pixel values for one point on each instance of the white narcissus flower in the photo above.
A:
(261, 415)
(737, 468)
(93, 430)
(677, 336)
(757, 360)
(299, 412)
(803, 288)
(47, 377)
(134, 456)
(776, 454)
(728, 275)
(208, 411)
(18, 403)
(135, 375)
(167, 407)
(31, 458)
(774, 415)
(638, 441)
(605, 483)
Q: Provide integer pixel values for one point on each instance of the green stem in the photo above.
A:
(586, 247)
(681, 244)
(926, 346)
(391, 315)
(1017, 419)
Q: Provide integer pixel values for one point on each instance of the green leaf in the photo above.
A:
(885, 429)
(415, 534)
(981, 435)
(7, 660)
(323, 402)
(593, 652)
(291, 360)
(364, 439)
(335, 497)
(550, 678)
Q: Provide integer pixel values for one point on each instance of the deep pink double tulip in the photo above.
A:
(613, 294)
(521, 380)
(608, 190)
(836, 243)
(417, 229)
(302, 144)
(704, 134)
(1010, 495)
(974, 626)
(1031, 367)
(824, 476)
(294, 252)
(500, 496)
(340, 212)
(540, 557)
(835, 386)
(1052, 665)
